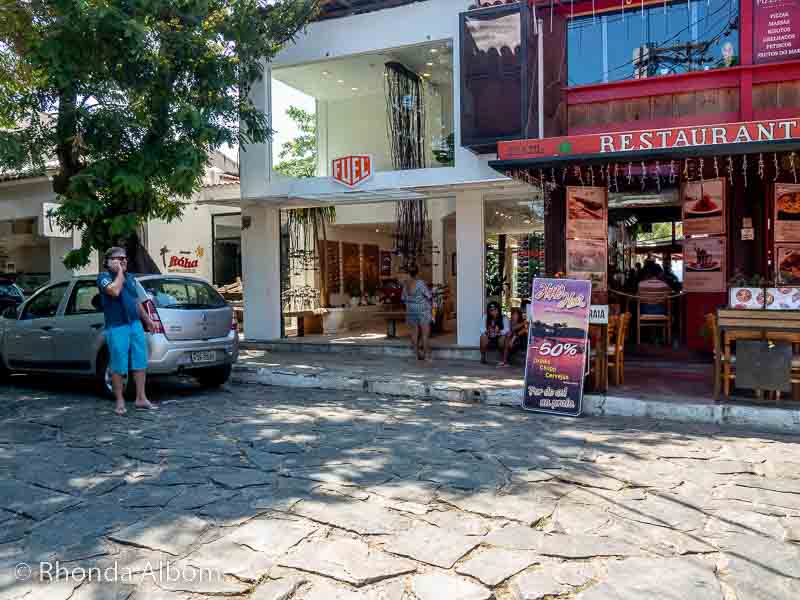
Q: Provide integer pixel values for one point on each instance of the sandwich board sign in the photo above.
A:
(557, 346)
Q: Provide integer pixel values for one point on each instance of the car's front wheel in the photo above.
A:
(213, 376)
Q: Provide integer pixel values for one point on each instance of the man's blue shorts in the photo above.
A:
(123, 340)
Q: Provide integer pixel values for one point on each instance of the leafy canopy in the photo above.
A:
(131, 97)
(299, 155)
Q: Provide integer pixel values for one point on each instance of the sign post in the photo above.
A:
(557, 346)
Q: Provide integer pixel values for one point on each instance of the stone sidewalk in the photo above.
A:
(268, 494)
(471, 382)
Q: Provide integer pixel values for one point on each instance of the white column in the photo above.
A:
(261, 272)
(255, 160)
(470, 267)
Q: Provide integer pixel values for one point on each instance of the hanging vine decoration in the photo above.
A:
(405, 121)
(579, 173)
(744, 169)
(591, 175)
(730, 169)
(761, 167)
(672, 175)
(777, 165)
(794, 168)
(616, 177)
(700, 169)
(411, 231)
(686, 170)
(716, 168)
(658, 176)
(644, 176)
(553, 178)
(306, 228)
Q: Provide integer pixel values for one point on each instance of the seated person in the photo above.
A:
(517, 336)
(494, 329)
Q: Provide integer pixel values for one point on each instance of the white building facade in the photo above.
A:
(349, 66)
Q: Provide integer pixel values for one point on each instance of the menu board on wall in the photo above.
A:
(334, 267)
(587, 213)
(703, 207)
(557, 348)
(787, 261)
(587, 259)
(775, 28)
(787, 212)
(704, 264)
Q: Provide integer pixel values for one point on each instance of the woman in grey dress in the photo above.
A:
(419, 315)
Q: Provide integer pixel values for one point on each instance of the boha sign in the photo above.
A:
(557, 346)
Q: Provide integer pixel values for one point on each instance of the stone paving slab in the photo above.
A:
(468, 381)
(409, 500)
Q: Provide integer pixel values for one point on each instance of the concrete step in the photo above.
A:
(400, 349)
(471, 382)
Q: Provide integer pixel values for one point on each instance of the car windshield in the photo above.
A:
(182, 293)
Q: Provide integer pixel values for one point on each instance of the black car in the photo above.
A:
(10, 294)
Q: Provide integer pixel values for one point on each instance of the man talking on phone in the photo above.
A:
(126, 320)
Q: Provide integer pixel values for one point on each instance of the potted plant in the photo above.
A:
(354, 291)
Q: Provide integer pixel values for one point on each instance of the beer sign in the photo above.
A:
(352, 170)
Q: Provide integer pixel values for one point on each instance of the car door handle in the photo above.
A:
(96, 326)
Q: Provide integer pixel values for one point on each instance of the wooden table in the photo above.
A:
(392, 316)
(598, 337)
(740, 324)
(301, 316)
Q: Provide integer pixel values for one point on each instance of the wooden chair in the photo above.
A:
(616, 348)
(661, 321)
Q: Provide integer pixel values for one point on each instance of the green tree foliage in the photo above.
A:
(132, 97)
(299, 156)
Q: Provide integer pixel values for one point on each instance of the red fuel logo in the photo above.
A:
(352, 170)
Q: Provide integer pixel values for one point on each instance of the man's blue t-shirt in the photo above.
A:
(122, 309)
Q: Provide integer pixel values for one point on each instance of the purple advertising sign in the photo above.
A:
(776, 24)
(557, 346)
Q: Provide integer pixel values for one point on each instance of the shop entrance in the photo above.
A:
(342, 280)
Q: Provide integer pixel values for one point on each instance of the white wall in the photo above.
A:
(469, 240)
(192, 232)
(261, 273)
(360, 34)
(356, 125)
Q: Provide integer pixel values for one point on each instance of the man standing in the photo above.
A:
(126, 319)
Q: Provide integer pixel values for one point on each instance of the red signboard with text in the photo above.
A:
(650, 140)
(776, 24)
(352, 170)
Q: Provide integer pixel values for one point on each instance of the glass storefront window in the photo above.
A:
(514, 242)
(227, 251)
(662, 39)
(396, 105)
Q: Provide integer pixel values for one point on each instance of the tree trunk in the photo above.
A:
(139, 259)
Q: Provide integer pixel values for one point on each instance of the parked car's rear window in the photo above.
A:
(182, 294)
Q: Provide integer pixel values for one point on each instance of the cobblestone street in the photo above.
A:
(275, 494)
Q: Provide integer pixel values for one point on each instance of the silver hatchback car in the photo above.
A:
(60, 329)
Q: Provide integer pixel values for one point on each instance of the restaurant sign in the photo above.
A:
(651, 140)
(557, 346)
(352, 170)
(775, 30)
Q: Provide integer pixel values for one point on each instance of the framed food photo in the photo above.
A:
(587, 212)
(704, 264)
(703, 207)
(787, 212)
(587, 259)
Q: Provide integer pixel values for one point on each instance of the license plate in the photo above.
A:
(204, 357)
